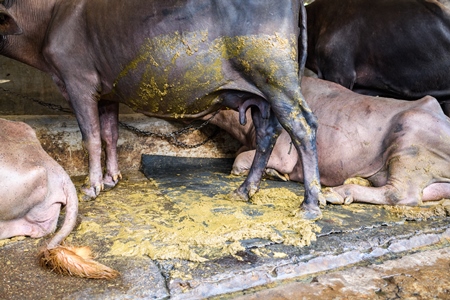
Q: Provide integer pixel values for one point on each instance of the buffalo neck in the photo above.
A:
(34, 18)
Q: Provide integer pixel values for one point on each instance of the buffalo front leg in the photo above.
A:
(108, 114)
(389, 194)
(81, 90)
(403, 187)
(267, 131)
(88, 120)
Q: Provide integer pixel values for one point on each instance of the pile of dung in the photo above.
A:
(358, 180)
(413, 213)
(136, 219)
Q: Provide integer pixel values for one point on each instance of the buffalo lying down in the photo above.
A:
(170, 59)
(33, 188)
(401, 147)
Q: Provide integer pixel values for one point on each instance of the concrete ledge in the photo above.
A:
(61, 138)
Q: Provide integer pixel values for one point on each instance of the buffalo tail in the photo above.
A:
(71, 260)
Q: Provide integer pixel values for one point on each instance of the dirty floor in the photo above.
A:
(422, 275)
(173, 233)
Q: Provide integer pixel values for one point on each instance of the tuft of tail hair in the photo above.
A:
(75, 261)
(71, 260)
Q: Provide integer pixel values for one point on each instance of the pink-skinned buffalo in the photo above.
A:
(401, 147)
(34, 188)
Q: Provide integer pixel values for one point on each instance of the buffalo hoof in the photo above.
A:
(334, 197)
(238, 172)
(309, 213)
(110, 182)
(238, 196)
(87, 194)
(331, 196)
(243, 193)
(252, 191)
(348, 200)
(322, 200)
(273, 174)
(90, 193)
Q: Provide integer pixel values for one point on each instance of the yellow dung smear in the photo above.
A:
(358, 180)
(137, 220)
(181, 74)
(11, 240)
(440, 209)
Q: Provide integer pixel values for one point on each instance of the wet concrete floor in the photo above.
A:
(360, 251)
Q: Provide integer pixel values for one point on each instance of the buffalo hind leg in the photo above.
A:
(108, 114)
(267, 131)
(301, 125)
(436, 191)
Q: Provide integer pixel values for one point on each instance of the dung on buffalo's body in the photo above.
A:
(172, 59)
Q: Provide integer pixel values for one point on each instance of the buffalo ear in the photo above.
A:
(8, 25)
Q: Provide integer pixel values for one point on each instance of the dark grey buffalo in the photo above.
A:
(171, 59)
(390, 48)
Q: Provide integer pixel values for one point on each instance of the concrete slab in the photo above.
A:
(134, 212)
(61, 138)
(422, 275)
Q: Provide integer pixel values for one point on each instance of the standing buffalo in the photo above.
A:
(401, 147)
(170, 59)
(390, 48)
(33, 188)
